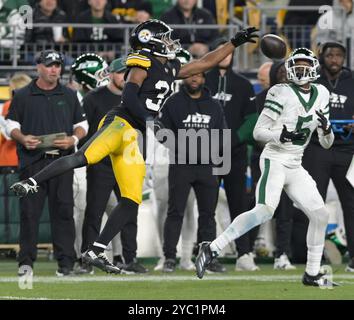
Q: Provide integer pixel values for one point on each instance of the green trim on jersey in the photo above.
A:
(314, 95)
(274, 103)
(263, 183)
(326, 109)
(271, 108)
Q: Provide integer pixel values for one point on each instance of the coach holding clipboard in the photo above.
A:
(42, 108)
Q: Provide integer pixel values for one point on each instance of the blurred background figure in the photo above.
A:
(187, 12)
(98, 14)
(88, 72)
(263, 74)
(47, 11)
(159, 177)
(10, 14)
(8, 154)
(132, 11)
(335, 162)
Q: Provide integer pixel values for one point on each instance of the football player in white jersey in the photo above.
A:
(291, 113)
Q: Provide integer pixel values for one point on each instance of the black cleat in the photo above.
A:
(204, 258)
(64, 272)
(134, 267)
(100, 261)
(84, 268)
(23, 187)
(169, 265)
(215, 267)
(320, 280)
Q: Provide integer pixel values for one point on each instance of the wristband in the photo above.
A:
(76, 140)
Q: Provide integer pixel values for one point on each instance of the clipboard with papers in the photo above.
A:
(47, 140)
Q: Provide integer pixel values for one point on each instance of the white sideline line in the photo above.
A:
(162, 278)
(27, 298)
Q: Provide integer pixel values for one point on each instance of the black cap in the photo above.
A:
(118, 65)
(332, 44)
(48, 57)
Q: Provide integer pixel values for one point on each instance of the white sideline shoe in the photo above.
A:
(246, 263)
(283, 263)
(186, 264)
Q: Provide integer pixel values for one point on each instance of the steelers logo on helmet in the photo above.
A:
(155, 36)
(302, 66)
(145, 35)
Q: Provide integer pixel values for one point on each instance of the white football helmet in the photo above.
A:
(302, 74)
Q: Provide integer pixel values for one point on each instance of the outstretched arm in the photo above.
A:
(213, 58)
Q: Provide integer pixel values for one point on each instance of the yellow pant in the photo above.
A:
(118, 139)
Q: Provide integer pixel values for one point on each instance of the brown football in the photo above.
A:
(273, 46)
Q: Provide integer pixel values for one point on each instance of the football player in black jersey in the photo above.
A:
(152, 68)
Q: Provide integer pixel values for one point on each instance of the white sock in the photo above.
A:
(219, 243)
(101, 247)
(314, 255)
(315, 239)
(241, 224)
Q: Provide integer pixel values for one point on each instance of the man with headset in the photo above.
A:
(41, 108)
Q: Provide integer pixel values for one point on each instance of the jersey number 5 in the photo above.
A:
(165, 88)
(306, 131)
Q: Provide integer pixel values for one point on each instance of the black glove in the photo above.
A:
(325, 125)
(290, 136)
(243, 36)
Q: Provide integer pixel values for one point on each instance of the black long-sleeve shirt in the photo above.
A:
(190, 36)
(183, 115)
(341, 105)
(236, 95)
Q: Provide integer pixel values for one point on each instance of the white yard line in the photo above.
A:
(162, 278)
(27, 298)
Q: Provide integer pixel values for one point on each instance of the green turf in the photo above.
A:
(182, 285)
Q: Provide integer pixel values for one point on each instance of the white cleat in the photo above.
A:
(246, 263)
(159, 265)
(187, 265)
(350, 266)
(283, 263)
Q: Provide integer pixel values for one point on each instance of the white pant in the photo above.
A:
(297, 183)
(79, 190)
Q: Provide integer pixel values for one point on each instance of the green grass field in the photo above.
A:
(182, 285)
